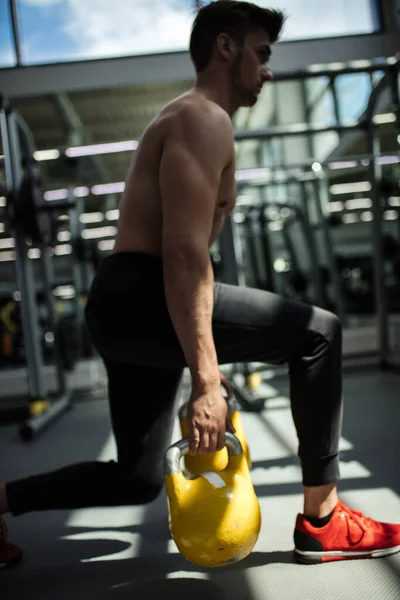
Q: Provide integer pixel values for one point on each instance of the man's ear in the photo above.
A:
(226, 47)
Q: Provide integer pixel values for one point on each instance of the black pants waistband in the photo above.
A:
(132, 260)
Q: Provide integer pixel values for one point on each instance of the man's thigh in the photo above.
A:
(255, 325)
(143, 407)
(248, 325)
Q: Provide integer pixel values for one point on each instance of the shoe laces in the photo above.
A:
(358, 517)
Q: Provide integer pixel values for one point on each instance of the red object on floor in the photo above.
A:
(9, 553)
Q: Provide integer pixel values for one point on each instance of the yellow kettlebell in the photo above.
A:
(214, 461)
(214, 518)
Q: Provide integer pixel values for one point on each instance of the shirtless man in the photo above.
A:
(155, 309)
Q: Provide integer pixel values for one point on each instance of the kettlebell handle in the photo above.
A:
(173, 455)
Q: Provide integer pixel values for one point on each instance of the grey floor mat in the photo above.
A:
(121, 553)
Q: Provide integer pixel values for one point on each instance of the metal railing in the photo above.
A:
(372, 160)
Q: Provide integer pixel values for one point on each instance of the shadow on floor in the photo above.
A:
(370, 423)
(137, 578)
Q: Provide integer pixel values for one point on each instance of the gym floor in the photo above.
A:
(121, 553)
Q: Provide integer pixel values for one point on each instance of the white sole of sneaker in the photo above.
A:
(317, 557)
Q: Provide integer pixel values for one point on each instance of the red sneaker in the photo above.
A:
(9, 553)
(348, 535)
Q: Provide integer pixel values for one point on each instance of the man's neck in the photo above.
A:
(216, 90)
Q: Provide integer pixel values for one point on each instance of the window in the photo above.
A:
(353, 92)
(311, 19)
(61, 30)
(323, 112)
(69, 30)
(8, 56)
(315, 86)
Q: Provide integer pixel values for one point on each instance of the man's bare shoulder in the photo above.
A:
(192, 113)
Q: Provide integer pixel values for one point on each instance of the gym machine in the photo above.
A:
(71, 324)
(230, 244)
(272, 230)
(233, 273)
(389, 80)
(31, 222)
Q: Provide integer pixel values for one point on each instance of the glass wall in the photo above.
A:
(68, 30)
(350, 92)
(63, 30)
(7, 51)
(313, 19)
(323, 113)
(353, 92)
(315, 87)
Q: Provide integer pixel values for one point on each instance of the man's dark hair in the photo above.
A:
(237, 19)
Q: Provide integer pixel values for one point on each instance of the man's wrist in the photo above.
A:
(206, 383)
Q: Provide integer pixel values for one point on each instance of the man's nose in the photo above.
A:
(267, 74)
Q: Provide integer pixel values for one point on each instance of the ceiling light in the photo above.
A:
(98, 232)
(359, 64)
(81, 192)
(388, 160)
(7, 243)
(391, 215)
(63, 249)
(335, 206)
(64, 236)
(107, 148)
(238, 217)
(249, 174)
(275, 226)
(41, 155)
(350, 218)
(281, 265)
(367, 216)
(349, 188)
(34, 253)
(56, 195)
(7, 256)
(358, 203)
(95, 217)
(67, 292)
(108, 188)
(112, 215)
(342, 164)
(106, 245)
(385, 118)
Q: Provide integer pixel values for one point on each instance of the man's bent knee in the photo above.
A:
(326, 324)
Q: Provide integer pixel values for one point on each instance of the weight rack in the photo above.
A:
(230, 246)
(17, 142)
